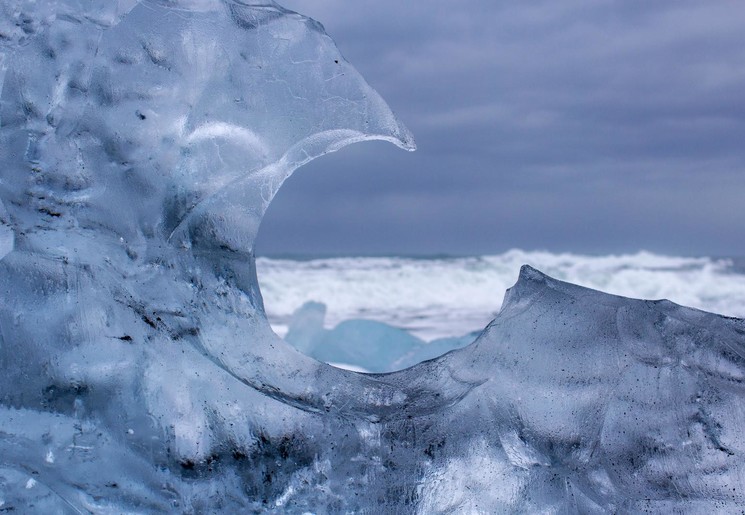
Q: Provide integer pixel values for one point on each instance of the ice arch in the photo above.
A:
(342, 310)
(139, 373)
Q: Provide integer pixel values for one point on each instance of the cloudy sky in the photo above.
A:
(574, 125)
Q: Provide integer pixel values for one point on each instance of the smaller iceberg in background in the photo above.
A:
(363, 345)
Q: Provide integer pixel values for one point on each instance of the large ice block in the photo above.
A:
(141, 143)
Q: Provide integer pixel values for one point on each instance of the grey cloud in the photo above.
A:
(577, 125)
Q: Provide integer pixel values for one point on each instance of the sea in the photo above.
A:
(438, 296)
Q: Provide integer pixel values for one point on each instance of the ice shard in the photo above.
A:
(141, 143)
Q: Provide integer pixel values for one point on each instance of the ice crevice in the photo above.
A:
(141, 144)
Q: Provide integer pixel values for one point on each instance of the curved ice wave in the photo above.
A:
(140, 373)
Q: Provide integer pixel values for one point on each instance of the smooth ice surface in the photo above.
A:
(140, 146)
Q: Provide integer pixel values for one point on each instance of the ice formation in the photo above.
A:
(362, 344)
(141, 143)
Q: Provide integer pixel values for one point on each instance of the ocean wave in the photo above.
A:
(450, 296)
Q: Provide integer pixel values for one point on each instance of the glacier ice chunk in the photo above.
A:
(363, 345)
(141, 143)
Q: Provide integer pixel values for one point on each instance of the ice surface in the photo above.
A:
(140, 147)
(363, 345)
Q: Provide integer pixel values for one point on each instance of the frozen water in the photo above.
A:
(141, 144)
(363, 345)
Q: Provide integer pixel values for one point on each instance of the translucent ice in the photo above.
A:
(363, 345)
(141, 143)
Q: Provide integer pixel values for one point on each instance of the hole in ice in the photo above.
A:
(381, 313)
(374, 314)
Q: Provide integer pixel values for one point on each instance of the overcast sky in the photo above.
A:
(574, 125)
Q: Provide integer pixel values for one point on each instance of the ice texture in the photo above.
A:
(141, 143)
(361, 344)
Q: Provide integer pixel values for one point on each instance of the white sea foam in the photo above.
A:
(441, 297)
